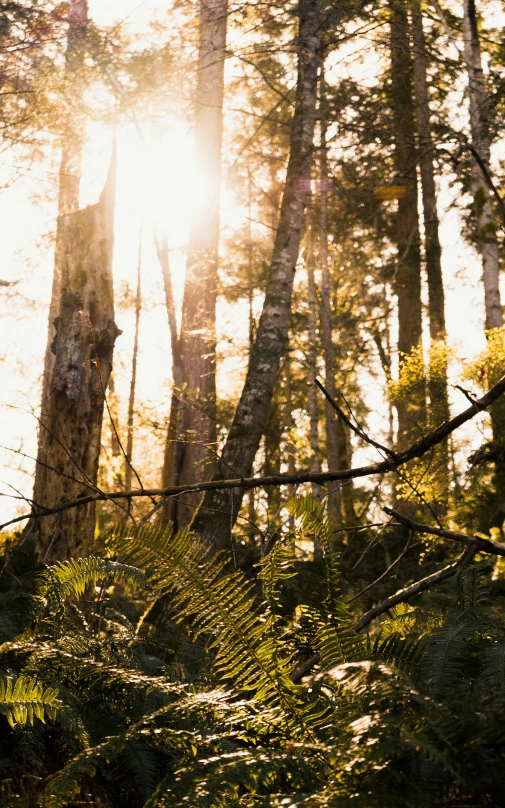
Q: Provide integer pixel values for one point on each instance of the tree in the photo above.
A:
(219, 509)
(439, 402)
(197, 427)
(85, 335)
(412, 406)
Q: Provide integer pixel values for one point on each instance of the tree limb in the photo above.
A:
(425, 583)
(482, 545)
(416, 450)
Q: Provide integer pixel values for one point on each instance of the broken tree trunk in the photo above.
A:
(85, 336)
(70, 171)
(219, 509)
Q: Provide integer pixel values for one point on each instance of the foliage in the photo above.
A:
(102, 705)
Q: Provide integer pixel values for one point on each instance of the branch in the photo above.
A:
(356, 429)
(425, 583)
(482, 545)
(417, 450)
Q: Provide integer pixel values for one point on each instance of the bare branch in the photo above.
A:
(482, 545)
(356, 429)
(417, 450)
(414, 589)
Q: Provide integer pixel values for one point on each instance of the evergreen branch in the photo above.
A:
(416, 450)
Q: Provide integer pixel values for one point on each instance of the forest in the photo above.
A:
(252, 430)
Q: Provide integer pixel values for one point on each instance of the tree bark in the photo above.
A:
(219, 509)
(198, 338)
(411, 407)
(83, 347)
(439, 400)
(69, 185)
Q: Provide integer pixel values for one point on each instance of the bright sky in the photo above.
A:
(160, 178)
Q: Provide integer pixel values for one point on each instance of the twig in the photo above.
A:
(417, 450)
(356, 429)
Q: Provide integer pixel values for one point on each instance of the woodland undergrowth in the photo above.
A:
(150, 675)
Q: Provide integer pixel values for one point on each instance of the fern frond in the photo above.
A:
(217, 603)
(22, 699)
(72, 578)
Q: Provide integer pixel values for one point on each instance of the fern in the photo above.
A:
(22, 699)
(217, 603)
(72, 578)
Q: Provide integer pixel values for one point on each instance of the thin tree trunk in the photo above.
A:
(83, 347)
(172, 460)
(485, 230)
(439, 400)
(198, 338)
(133, 381)
(332, 442)
(312, 395)
(68, 195)
(412, 407)
(218, 509)
(290, 448)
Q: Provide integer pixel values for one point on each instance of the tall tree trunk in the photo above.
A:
(83, 347)
(198, 338)
(340, 500)
(218, 509)
(68, 195)
(485, 227)
(439, 400)
(412, 406)
(485, 230)
(133, 380)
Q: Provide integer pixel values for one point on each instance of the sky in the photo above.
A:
(144, 176)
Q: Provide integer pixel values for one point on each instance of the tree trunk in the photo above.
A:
(219, 509)
(69, 185)
(172, 460)
(133, 381)
(312, 394)
(485, 227)
(412, 404)
(198, 338)
(439, 400)
(340, 500)
(485, 232)
(83, 347)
